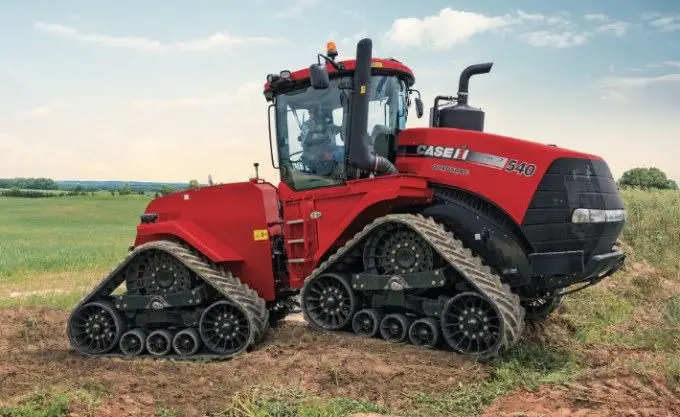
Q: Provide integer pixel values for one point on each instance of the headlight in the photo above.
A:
(583, 215)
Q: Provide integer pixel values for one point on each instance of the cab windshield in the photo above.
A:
(312, 127)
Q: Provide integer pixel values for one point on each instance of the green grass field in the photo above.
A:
(52, 250)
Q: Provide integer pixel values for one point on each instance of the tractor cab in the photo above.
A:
(323, 115)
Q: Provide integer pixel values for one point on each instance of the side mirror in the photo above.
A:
(319, 77)
(419, 107)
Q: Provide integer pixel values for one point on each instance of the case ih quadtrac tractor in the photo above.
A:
(444, 237)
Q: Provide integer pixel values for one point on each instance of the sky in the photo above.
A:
(172, 90)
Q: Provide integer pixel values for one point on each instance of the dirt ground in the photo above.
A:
(605, 395)
(35, 356)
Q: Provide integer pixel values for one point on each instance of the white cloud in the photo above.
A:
(251, 89)
(621, 89)
(218, 40)
(451, 27)
(530, 16)
(438, 32)
(225, 40)
(39, 111)
(597, 17)
(618, 28)
(545, 38)
(666, 23)
(650, 15)
(675, 64)
(295, 8)
(128, 42)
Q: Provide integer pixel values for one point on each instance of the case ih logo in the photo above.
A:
(463, 153)
(443, 152)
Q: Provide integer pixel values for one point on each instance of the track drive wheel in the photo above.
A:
(425, 332)
(366, 322)
(472, 325)
(225, 328)
(95, 328)
(328, 302)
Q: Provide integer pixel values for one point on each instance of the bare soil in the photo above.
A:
(609, 394)
(36, 356)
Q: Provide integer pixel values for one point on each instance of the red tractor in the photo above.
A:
(444, 237)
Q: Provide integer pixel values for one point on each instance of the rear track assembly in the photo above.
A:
(462, 301)
(178, 305)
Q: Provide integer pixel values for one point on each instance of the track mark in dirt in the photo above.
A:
(606, 395)
(36, 356)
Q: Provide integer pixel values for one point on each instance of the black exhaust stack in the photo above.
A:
(359, 155)
(461, 116)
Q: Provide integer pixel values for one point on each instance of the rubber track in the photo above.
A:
(470, 267)
(218, 277)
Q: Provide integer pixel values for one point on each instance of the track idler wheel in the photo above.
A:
(225, 328)
(366, 322)
(328, 302)
(132, 342)
(159, 342)
(394, 327)
(472, 325)
(95, 328)
(425, 332)
(186, 342)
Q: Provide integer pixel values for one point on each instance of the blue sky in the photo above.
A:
(171, 90)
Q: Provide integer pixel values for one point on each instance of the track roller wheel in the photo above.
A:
(328, 302)
(472, 325)
(95, 328)
(132, 342)
(186, 342)
(425, 332)
(394, 327)
(366, 322)
(159, 342)
(225, 328)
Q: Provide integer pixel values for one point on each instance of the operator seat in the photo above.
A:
(384, 142)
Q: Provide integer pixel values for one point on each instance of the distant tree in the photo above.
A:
(647, 178)
(167, 189)
(125, 190)
(157, 194)
(193, 184)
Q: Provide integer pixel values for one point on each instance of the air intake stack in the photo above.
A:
(460, 115)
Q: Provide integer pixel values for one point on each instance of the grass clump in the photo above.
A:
(527, 366)
(296, 405)
(39, 404)
(653, 227)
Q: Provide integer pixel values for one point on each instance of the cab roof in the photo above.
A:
(379, 66)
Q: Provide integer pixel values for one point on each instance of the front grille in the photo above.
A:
(568, 184)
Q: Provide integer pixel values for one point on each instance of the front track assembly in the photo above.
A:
(177, 304)
(415, 282)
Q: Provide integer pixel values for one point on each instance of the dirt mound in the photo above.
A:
(36, 356)
(605, 395)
